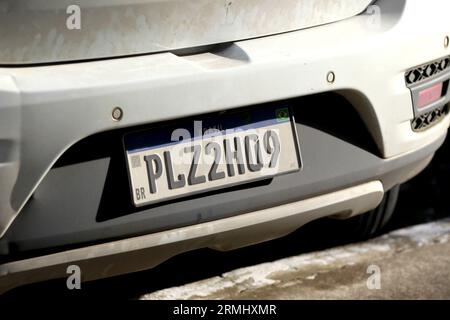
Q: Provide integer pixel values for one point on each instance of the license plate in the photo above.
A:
(190, 157)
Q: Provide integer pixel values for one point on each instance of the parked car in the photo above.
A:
(131, 131)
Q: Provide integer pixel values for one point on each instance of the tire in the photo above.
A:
(372, 223)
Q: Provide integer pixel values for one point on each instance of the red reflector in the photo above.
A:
(429, 95)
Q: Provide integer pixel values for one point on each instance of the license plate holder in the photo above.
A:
(215, 152)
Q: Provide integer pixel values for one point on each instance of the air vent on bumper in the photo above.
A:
(426, 71)
(429, 119)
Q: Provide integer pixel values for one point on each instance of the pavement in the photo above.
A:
(409, 263)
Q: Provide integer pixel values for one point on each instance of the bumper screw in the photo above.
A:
(117, 114)
(331, 77)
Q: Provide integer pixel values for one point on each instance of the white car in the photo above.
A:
(134, 130)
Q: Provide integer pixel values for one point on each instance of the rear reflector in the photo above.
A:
(429, 95)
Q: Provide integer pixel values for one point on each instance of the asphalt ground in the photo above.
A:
(410, 263)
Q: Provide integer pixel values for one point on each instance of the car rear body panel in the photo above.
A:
(48, 32)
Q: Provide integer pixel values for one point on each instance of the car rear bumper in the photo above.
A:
(108, 258)
(45, 110)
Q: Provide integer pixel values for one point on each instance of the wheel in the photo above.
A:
(371, 223)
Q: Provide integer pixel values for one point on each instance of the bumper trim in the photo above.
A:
(143, 252)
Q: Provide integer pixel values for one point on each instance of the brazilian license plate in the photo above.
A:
(211, 153)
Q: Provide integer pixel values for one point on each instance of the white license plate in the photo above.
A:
(212, 153)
